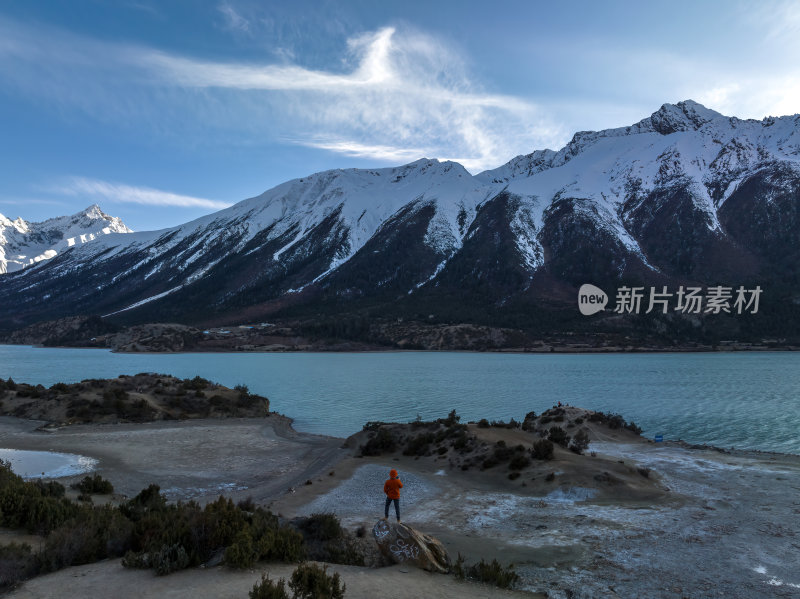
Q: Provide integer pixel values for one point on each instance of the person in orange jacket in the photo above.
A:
(392, 489)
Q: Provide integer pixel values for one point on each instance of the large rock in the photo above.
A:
(404, 545)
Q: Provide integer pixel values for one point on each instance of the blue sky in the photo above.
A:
(163, 111)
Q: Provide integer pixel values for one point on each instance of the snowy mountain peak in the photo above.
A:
(93, 211)
(24, 243)
(683, 116)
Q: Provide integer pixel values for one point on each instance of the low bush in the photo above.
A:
(542, 450)
(419, 445)
(243, 552)
(169, 559)
(558, 435)
(492, 572)
(198, 383)
(382, 442)
(614, 421)
(94, 485)
(519, 462)
(321, 527)
(580, 442)
(17, 563)
(35, 506)
(529, 422)
(94, 534)
(309, 581)
(268, 589)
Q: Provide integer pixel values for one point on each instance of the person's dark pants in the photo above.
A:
(396, 507)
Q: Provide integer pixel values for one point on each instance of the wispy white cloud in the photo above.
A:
(359, 150)
(394, 91)
(98, 190)
(400, 92)
(233, 20)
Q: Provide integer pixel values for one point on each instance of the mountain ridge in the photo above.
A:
(24, 243)
(685, 196)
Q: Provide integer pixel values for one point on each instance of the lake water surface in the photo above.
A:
(745, 400)
(46, 464)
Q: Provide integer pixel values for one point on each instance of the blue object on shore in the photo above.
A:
(659, 438)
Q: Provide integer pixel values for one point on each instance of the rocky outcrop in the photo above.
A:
(405, 545)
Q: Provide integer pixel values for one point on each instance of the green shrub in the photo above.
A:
(631, 426)
(49, 488)
(139, 560)
(493, 573)
(35, 506)
(529, 422)
(94, 485)
(198, 383)
(94, 534)
(419, 445)
(283, 544)
(267, 589)
(542, 450)
(519, 462)
(486, 572)
(170, 559)
(243, 553)
(59, 387)
(483, 423)
(580, 442)
(148, 500)
(321, 527)
(17, 563)
(309, 581)
(558, 435)
(452, 418)
(382, 442)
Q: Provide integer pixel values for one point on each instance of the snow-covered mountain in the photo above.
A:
(685, 195)
(25, 243)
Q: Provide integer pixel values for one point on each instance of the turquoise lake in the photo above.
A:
(743, 400)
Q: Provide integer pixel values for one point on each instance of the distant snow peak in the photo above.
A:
(24, 243)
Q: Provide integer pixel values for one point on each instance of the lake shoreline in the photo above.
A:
(561, 350)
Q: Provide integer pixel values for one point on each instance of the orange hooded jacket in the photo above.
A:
(392, 486)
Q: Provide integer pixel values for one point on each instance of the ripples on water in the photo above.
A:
(746, 400)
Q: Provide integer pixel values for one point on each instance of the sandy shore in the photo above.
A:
(200, 459)
(713, 525)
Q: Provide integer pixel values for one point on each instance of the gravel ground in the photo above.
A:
(730, 526)
(360, 498)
